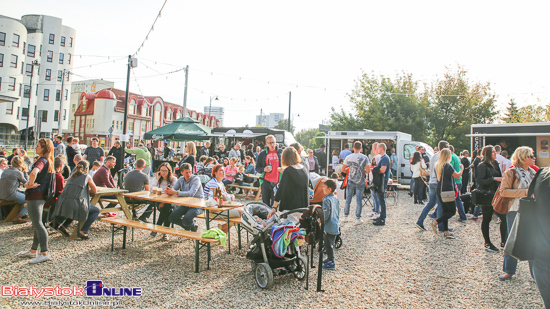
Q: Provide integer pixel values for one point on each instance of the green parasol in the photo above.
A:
(182, 129)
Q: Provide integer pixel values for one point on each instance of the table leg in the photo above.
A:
(95, 201)
(155, 206)
(124, 237)
(258, 194)
(207, 217)
(14, 211)
(76, 230)
(124, 206)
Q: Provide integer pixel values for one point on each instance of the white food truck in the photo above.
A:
(404, 147)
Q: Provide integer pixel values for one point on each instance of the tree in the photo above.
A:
(532, 113)
(455, 104)
(283, 125)
(512, 114)
(308, 138)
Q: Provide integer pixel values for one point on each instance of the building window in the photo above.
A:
(72, 124)
(40, 51)
(73, 107)
(132, 109)
(2, 39)
(16, 40)
(56, 115)
(64, 114)
(27, 91)
(11, 85)
(66, 94)
(63, 41)
(59, 75)
(1, 60)
(29, 69)
(22, 67)
(52, 38)
(69, 59)
(130, 126)
(61, 57)
(44, 116)
(48, 74)
(9, 108)
(31, 50)
(20, 89)
(57, 94)
(67, 75)
(50, 56)
(143, 126)
(24, 113)
(13, 63)
(24, 45)
(46, 94)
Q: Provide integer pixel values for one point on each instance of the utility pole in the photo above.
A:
(124, 128)
(34, 63)
(185, 91)
(261, 117)
(59, 118)
(289, 102)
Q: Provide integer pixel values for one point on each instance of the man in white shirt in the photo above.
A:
(358, 165)
(507, 162)
(501, 160)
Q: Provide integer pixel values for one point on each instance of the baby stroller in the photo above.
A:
(265, 262)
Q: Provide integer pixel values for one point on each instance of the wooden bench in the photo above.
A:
(236, 221)
(200, 242)
(14, 211)
(258, 189)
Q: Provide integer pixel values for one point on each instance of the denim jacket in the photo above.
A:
(331, 210)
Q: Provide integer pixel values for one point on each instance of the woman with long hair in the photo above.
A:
(416, 165)
(74, 202)
(230, 171)
(488, 178)
(515, 184)
(466, 175)
(9, 182)
(446, 175)
(190, 155)
(39, 181)
(164, 179)
(26, 159)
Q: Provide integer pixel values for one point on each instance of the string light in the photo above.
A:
(150, 30)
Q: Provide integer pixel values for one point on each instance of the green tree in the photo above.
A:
(342, 121)
(283, 125)
(512, 114)
(308, 138)
(532, 113)
(455, 103)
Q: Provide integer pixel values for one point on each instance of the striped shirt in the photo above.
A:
(213, 184)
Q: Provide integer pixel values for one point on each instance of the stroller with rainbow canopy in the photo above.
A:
(275, 246)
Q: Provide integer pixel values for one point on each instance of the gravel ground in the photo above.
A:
(394, 266)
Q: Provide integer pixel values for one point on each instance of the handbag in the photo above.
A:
(424, 172)
(482, 197)
(49, 194)
(502, 204)
(446, 196)
(521, 242)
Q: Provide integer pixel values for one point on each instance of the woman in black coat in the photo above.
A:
(488, 178)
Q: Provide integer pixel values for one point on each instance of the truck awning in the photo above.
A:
(237, 134)
(506, 134)
(367, 135)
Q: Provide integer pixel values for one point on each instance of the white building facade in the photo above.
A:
(216, 111)
(40, 48)
(269, 120)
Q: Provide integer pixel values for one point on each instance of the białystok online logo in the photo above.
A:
(93, 288)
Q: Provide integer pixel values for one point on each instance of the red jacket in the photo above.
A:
(103, 178)
(59, 185)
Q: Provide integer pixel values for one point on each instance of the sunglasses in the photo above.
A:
(532, 156)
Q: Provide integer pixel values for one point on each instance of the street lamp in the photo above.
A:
(34, 63)
(210, 111)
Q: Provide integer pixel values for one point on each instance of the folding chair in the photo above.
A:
(367, 202)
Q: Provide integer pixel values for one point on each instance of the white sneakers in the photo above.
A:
(26, 254)
(358, 221)
(375, 216)
(40, 258)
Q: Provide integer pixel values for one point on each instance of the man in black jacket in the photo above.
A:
(205, 150)
(322, 157)
(269, 161)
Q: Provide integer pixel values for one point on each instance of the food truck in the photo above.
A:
(513, 135)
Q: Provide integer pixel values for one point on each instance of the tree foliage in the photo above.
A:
(512, 114)
(308, 138)
(283, 125)
(532, 113)
(444, 109)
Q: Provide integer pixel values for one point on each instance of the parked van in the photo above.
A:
(401, 142)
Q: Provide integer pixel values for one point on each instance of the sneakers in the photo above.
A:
(504, 277)
(420, 226)
(474, 218)
(40, 258)
(26, 254)
(502, 246)
(358, 221)
(164, 237)
(491, 248)
(375, 216)
(379, 222)
(329, 265)
(153, 234)
(346, 218)
(434, 226)
(19, 220)
(448, 236)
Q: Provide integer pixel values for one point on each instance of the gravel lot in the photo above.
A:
(394, 266)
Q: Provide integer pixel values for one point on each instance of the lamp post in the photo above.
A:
(34, 63)
(210, 111)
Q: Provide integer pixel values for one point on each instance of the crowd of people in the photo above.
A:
(445, 180)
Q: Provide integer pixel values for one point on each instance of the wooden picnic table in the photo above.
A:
(189, 202)
(253, 176)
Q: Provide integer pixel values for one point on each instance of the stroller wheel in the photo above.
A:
(300, 270)
(253, 265)
(338, 242)
(264, 276)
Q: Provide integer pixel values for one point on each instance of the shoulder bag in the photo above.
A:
(502, 204)
(446, 196)
(521, 241)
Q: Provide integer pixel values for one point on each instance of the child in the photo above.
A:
(95, 167)
(239, 177)
(340, 193)
(331, 210)
(200, 165)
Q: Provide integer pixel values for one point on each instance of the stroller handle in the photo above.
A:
(284, 215)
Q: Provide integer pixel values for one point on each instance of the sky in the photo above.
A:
(252, 54)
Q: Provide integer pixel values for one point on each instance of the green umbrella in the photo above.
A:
(182, 129)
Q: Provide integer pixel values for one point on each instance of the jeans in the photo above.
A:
(93, 213)
(382, 201)
(268, 197)
(164, 215)
(151, 172)
(36, 208)
(183, 216)
(542, 277)
(20, 199)
(411, 186)
(227, 181)
(459, 205)
(329, 246)
(358, 190)
(431, 203)
(448, 210)
(375, 202)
